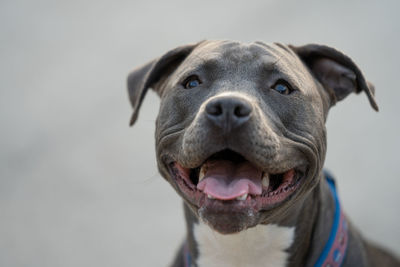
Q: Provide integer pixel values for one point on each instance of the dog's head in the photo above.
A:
(241, 133)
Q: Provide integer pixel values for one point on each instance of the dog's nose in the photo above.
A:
(228, 113)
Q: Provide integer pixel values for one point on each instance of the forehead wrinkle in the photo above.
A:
(199, 62)
(271, 66)
(209, 59)
(211, 50)
(287, 61)
(231, 56)
(259, 56)
(190, 64)
(274, 50)
(236, 52)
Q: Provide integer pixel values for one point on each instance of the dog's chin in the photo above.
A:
(228, 217)
(230, 194)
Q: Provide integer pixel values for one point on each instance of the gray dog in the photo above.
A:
(241, 137)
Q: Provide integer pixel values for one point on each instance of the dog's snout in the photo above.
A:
(228, 112)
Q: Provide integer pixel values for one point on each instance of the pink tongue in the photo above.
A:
(226, 180)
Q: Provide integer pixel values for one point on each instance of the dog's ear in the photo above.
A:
(150, 74)
(339, 75)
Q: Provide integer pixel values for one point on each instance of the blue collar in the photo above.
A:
(335, 248)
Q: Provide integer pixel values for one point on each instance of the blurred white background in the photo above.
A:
(78, 187)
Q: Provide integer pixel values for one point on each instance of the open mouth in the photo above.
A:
(227, 177)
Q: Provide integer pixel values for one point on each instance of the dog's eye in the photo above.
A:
(282, 87)
(191, 82)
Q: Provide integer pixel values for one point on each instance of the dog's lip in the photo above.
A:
(302, 166)
(266, 200)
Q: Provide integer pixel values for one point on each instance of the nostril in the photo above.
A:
(242, 111)
(214, 109)
(228, 113)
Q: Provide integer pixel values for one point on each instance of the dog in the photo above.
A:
(241, 137)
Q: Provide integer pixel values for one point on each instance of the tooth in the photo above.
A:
(265, 180)
(201, 173)
(242, 197)
(210, 196)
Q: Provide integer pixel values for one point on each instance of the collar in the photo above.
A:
(335, 248)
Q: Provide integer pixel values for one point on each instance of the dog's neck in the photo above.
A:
(297, 240)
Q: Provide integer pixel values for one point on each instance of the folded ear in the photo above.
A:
(148, 75)
(339, 75)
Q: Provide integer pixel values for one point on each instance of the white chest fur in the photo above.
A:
(263, 245)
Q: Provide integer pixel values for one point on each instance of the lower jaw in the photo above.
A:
(233, 216)
(226, 220)
(265, 201)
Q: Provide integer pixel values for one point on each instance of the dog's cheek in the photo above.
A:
(178, 107)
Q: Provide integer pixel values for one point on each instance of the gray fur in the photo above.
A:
(283, 131)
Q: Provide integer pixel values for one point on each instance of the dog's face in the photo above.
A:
(240, 133)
